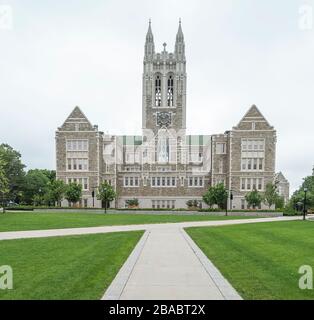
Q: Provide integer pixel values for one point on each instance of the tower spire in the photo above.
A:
(180, 45)
(149, 43)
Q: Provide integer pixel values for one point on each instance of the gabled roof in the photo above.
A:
(254, 115)
(77, 116)
(280, 177)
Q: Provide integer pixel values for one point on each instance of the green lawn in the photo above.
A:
(74, 267)
(34, 221)
(261, 260)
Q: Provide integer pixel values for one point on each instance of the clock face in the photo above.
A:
(163, 119)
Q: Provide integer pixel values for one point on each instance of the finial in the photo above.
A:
(149, 21)
(164, 44)
(179, 20)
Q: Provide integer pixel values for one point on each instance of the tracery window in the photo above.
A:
(170, 91)
(158, 91)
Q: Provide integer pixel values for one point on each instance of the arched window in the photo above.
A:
(158, 91)
(170, 91)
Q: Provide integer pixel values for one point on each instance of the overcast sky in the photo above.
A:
(59, 54)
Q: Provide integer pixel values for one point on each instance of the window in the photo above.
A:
(69, 164)
(195, 181)
(158, 91)
(242, 184)
(249, 164)
(163, 181)
(252, 144)
(74, 164)
(170, 91)
(131, 181)
(77, 145)
(253, 164)
(248, 184)
(220, 148)
(82, 181)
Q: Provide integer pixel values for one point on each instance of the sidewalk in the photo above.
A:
(92, 230)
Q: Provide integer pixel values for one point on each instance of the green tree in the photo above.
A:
(221, 195)
(298, 195)
(254, 198)
(73, 192)
(271, 194)
(36, 183)
(50, 174)
(106, 194)
(209, 197)
(56, 191)
(216, 195)
(4, 186)
(13, 171)
(280, 202)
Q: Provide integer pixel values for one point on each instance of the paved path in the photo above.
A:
(92, 230)
(165, 264)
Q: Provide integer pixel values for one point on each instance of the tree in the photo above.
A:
(209, 197)
(298, 195)
(4, 187)
(280, 202)
(56, 191)
(271, 194)
(106, 194)
(216, 195)
(36, 183)
(73, 192)
(13, 171)
(254, 198)
(221, 195)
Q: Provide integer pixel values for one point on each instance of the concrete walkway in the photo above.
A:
(165, 264)
(92, 230)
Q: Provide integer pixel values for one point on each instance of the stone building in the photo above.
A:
(283, 186)
(165, 167)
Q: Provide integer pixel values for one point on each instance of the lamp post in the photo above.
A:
(93, 196)
(304, 204)
(231, 198)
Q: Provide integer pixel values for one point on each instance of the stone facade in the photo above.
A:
(283, 186)
(165, 167)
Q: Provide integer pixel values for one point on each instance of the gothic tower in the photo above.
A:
(164, 86)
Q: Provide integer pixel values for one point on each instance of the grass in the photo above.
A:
(260, 260)
(35, 221)
(74, 267)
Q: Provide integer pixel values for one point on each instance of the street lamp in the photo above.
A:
(304, 205)
(231, 198)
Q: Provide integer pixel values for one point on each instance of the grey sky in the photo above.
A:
(59, 54)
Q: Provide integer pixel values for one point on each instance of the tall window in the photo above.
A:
(158, 91)
(170, 91)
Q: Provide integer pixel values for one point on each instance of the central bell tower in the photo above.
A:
(164, 85)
